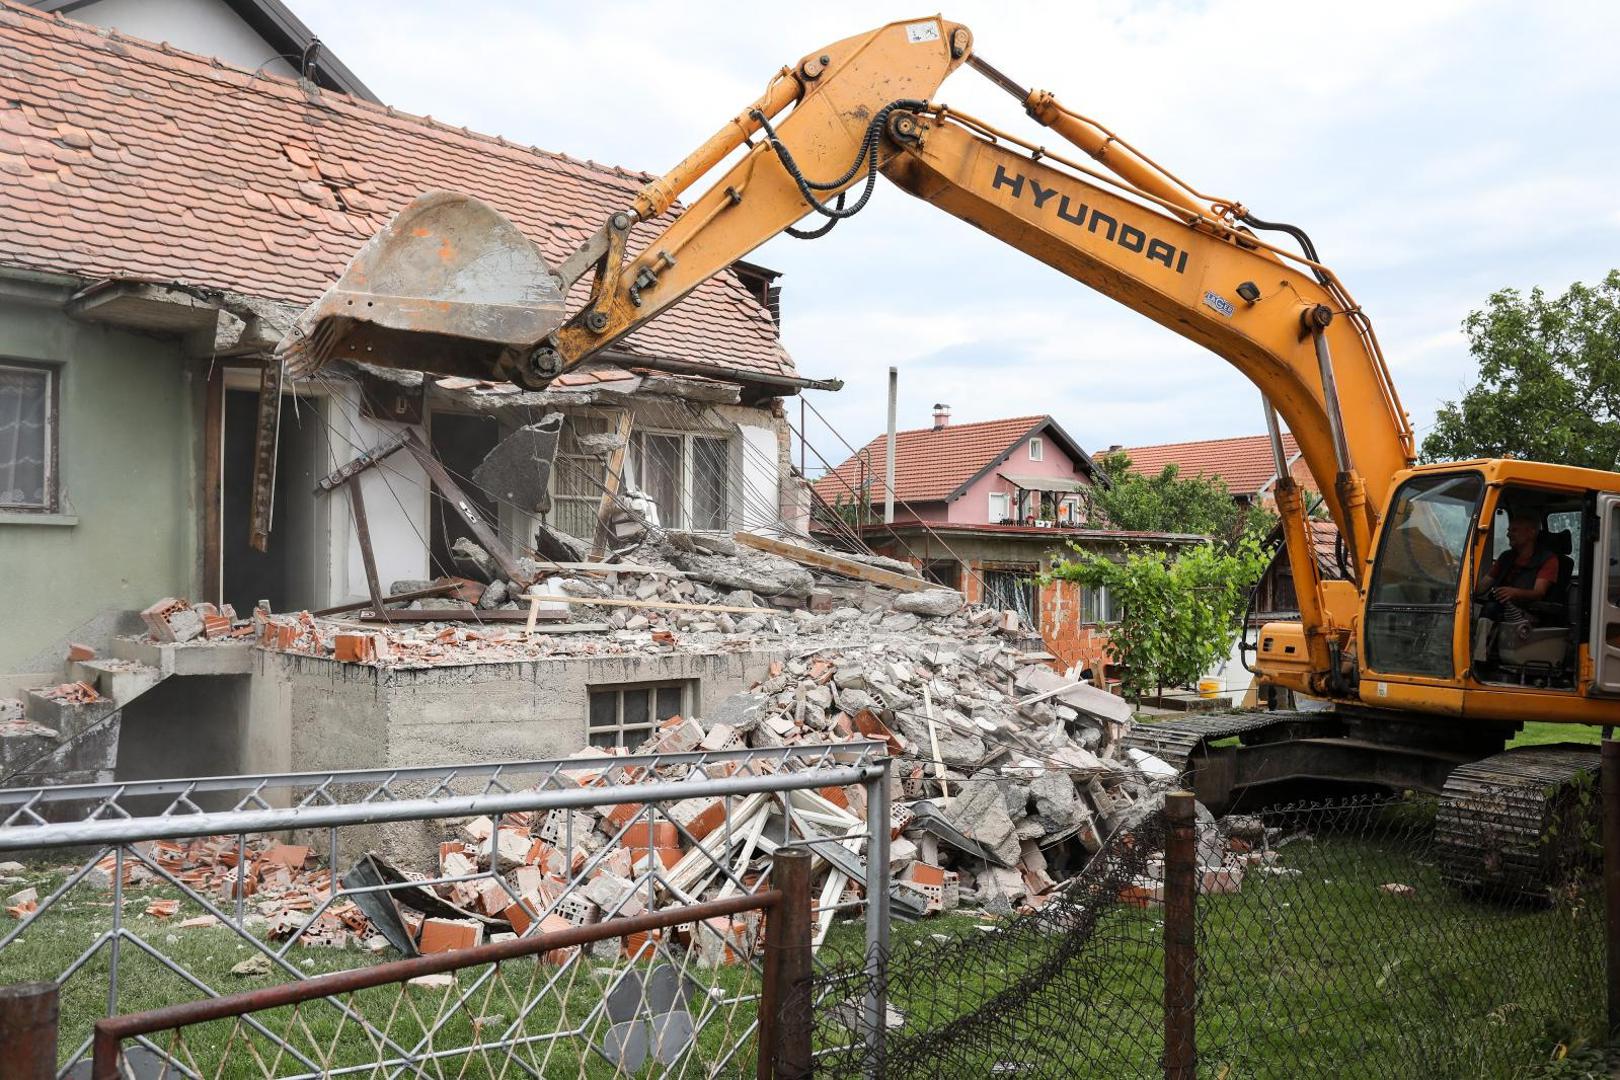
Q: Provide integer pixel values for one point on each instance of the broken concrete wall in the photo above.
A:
(128, 465)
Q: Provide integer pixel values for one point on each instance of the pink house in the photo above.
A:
(1025, 471)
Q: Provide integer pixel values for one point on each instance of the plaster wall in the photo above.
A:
(973, 507)
(129, 408)
(207, 27)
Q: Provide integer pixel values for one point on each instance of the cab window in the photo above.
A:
(1412, 607)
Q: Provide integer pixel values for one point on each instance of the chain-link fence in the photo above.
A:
(1372, 937)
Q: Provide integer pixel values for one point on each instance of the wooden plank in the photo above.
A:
(464, 506)
(609, 568)
(823, 560)
(497, 615)
(400, 598)
(357, 503)
(360, 464)
(662, 605)
(610, 485)
(266, 434)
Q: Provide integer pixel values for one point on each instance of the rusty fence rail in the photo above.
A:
(110, 926)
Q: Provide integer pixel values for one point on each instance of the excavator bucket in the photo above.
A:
(449, 286)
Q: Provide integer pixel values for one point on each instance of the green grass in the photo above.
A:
(1540, 733)
(317, 1029)
(1317, 974)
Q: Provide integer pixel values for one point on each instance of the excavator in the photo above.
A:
(1424, 690)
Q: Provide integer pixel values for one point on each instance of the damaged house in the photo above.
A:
(167, 215)
(985, 508)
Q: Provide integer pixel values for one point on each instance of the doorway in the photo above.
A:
(461, 442)
(292, 573)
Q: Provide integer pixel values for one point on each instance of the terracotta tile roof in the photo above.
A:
(929, 465)
(1244, 463)
(120, 158)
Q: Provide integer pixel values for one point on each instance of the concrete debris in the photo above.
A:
(518, 471)
(935, 602)
(253, 966)
(473, 561)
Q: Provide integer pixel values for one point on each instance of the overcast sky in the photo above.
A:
(1435, 151)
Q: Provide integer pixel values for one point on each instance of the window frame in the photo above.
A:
(1037, 448)
(685, 483)
(53, 382)
(1006, 507)
(619, 728)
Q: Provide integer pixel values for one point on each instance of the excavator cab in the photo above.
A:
(1533, 643)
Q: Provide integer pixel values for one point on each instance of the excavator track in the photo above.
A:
(1511, 823)
(1176, 741)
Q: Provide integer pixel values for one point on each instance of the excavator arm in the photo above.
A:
(815, 142)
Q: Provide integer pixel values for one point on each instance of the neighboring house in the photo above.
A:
(1246, 463)
(985, 508)
(1274, 595)
(166, 216)
(257, 35)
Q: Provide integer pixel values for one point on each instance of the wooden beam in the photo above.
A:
(265, 437)
(360, 464)
(662, 605)
(496, 615)
(610, 485)
(400, 598)
(357, 503)
(823, 560)
(464, 506)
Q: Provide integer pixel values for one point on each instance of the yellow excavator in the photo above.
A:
(1428, 678)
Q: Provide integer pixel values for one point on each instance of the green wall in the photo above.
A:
(128, 471)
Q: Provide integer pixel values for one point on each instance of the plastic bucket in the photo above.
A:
(1209, 688)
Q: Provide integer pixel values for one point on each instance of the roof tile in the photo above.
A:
(207, 175)
(1244, 463)
(929, 463)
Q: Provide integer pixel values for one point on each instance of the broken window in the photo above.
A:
(27, 438)
(688, 476)
(627, 715)
(577, 477)
(1013, 590)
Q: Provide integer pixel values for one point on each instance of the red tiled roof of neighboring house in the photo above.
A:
(1057, 536)
(930, 464)
(1245, 463)
(124, 159)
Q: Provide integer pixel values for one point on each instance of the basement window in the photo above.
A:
(626, 715)
(27, 437)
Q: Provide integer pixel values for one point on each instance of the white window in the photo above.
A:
(688, 476)
(626, 715)
(1000, 507)
(1037, 449)
(27, 438)
(1096, 606)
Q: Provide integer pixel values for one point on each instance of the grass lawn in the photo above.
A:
(1540, 733)
(317, 1030)
(1314, 973)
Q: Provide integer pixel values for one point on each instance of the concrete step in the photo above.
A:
(120, 680)
(229, 657)
(68, 719)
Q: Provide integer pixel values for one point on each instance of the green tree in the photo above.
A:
(1549, 380)
(1170, 502)
(1177, 611)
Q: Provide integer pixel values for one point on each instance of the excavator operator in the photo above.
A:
(1522, 574)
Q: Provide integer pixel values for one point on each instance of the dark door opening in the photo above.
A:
(461, 442)
(289, 574)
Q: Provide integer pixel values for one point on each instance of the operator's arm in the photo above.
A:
(1537, 590)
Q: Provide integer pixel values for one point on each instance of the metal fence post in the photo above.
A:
(879, 827)
(28, 1014)
(785, 999)
(1180, 937)
(1611, 879)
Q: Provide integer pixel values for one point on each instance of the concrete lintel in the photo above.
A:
(142, 305)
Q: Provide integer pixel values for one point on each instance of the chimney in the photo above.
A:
(942, 417)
